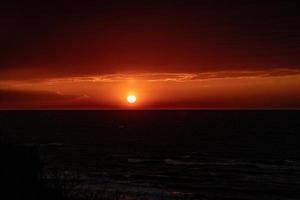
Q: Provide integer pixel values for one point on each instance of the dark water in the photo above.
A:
(195, 154)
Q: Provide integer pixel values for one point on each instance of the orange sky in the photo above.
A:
(171, 54)
(277, 88)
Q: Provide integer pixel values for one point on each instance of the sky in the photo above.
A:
(170, 54)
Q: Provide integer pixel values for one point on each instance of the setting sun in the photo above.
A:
(131, 99)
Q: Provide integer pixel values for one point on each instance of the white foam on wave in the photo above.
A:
(180, 162)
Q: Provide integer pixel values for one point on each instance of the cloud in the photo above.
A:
(260, 88)
(173, 77)
(31, 99)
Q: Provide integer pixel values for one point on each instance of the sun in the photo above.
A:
(131, 99)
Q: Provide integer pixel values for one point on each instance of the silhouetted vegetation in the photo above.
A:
(20, 172)
(23, 177)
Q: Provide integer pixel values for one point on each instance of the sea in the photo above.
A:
(167, 154)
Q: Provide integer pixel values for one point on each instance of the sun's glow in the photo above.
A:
(131, 99)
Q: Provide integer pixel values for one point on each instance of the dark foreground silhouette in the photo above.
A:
(20, 173)
(23, 178)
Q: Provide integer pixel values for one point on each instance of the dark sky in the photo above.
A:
(169, 53)
(86, 37)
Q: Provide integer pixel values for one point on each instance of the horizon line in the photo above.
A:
(150, 109)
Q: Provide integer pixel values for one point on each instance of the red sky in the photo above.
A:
(170, 54)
